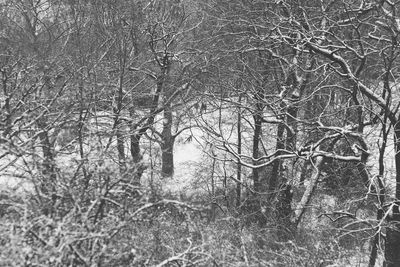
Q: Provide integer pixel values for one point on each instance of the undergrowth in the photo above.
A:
(159, 233)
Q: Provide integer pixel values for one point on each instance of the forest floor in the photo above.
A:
(192, 178)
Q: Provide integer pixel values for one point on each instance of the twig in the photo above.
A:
(243, 247)
(179, 257)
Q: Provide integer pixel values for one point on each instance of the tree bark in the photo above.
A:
(273, 181)
(284, 210)
(140, 128)
(305, 200)
(117, 112)
(83, 114)
(256, 151)
(239, 151)
(392, 244)
(47, 185)
(167, 144)
(136, 156)
(213, 196)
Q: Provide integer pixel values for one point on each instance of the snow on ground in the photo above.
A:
(187, 158)
(14, 173)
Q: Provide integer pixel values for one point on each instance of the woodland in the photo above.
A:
(199, 133)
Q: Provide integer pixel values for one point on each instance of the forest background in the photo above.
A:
(199, 133)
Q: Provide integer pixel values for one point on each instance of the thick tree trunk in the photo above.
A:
(139, 129)
(48, 154)
(135, 148)
(283, 213)
(304, 170)
(167, 144)
(255, 202)
(48, 157)
(292, 123)
(392, 245)
(276, 166)
(305, 200)
(379, 216)
(121, 153)
(47, 185)
(256, 151)
(136, 156)
(380, 192)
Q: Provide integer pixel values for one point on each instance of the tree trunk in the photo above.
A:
(392, 245)
(239, 151)
(118, 126)
(83, 114)
(213, 196)
(48, 156)
(47, 185)
(304, 170)
(380, 194)
(256, 151)
(136, 156)
(292, 123)
(121, 153)
(302, 206)
(6, 107)
(139, 129)
(283, 213)
(167, 144)
(276, 166)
